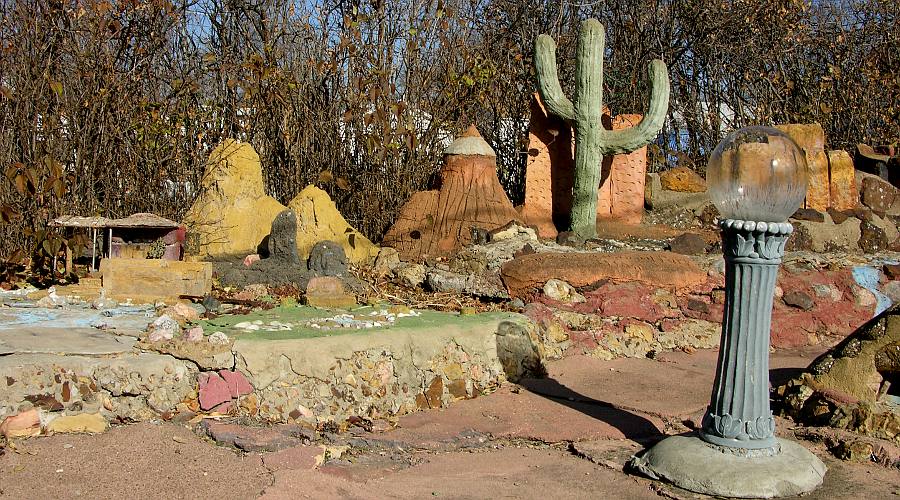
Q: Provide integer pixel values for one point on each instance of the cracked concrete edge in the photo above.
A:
(314, 357)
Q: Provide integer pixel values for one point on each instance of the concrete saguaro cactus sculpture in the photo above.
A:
(592, 141)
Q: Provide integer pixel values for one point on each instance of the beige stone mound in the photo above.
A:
(438, 223)
(232, 213)
(318, 219)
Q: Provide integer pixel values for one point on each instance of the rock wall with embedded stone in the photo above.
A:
(376, 375)
(846, 387)
(816, 303)
(129, 388)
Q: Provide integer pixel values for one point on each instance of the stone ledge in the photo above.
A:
(127, 387)
(384, 372)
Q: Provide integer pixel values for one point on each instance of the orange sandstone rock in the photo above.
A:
(682, 180)
(844, 194)
(661, 269)
(811, 139)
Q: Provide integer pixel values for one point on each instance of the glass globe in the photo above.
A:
(757, 174)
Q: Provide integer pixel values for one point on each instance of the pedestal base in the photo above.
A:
(693, 464)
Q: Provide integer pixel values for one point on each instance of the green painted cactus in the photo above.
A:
(592, 141)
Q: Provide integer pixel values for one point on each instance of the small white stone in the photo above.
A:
(218, 338)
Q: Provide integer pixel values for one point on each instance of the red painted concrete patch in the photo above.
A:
(213, 390)
(237, 383)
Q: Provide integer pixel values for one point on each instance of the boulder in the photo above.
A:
(282, 266)
(283, 238)
(657, 198)
(439, 223)
(411, 275)
(689, 244)
(682, 180)
(232, 213)
(811, 139)
(838, 216)
(799, 299)
(872, 238)
(213, 390)
(844, 387)
(318, 220)
(327, 258)
(878, 194)
(527, 273)
(152, 280)
(485, 285)
(809, 214)
(844, 194)
(561, 291)
(83, 423)
(328, 292)
(24, 424)
(825, 236)
(387, 260)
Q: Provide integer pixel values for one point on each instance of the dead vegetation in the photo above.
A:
(112, 107)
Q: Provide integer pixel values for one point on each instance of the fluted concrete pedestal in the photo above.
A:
(736, 453)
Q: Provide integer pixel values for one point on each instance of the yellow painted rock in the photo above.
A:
(232, 213)
(89, 423)
(318, 219)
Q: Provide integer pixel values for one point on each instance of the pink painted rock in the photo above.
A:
(25, 424)
(627, 300)
(194, 334)
(237, 383)
(213, 390)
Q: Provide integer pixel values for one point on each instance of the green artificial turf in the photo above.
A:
(299, 315)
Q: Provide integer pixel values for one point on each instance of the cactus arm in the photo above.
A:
(638, 136)
(548, 82)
